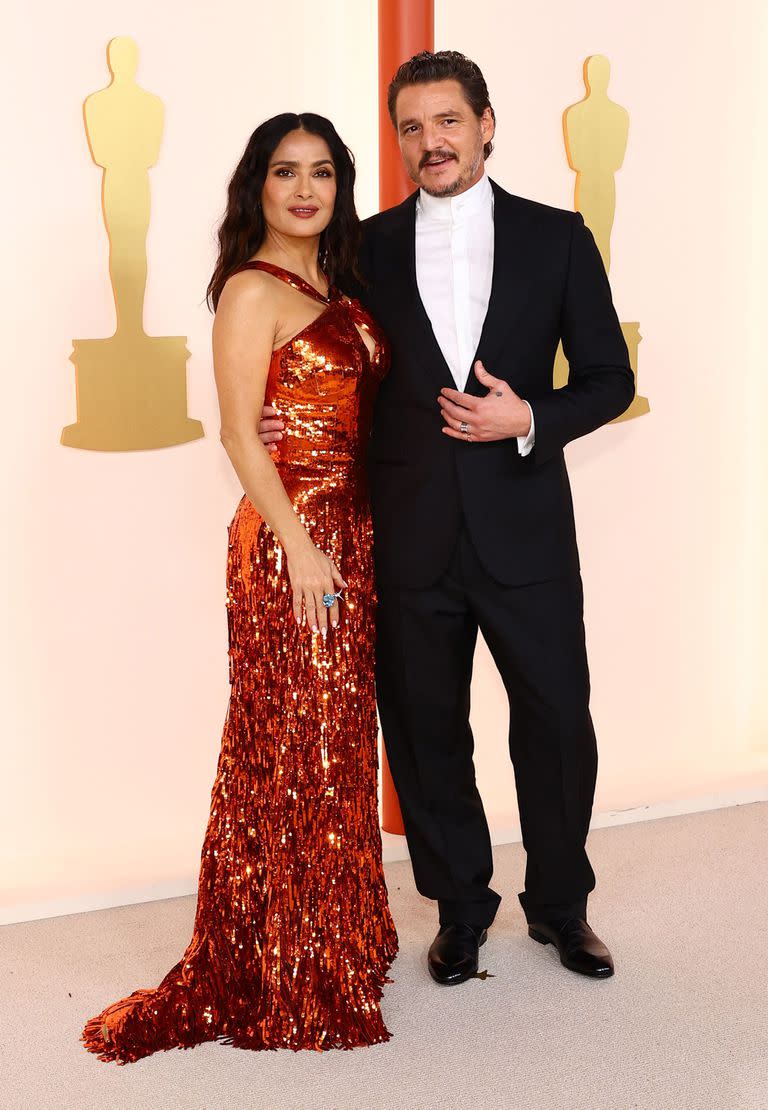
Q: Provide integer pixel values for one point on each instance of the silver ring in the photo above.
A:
(464, 428)
(330, 599)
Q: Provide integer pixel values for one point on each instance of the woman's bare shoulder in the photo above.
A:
(252, 288)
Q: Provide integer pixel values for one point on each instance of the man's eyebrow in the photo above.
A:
(449, 113)
(293, 165)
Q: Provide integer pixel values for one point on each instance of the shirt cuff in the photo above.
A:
(525, 443)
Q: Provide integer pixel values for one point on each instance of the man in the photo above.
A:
(473, 520)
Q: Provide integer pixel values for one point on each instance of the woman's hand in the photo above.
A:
(313, 574)
(270, 428)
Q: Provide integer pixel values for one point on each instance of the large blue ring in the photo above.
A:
(329, 600)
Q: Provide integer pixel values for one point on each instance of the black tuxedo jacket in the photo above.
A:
(549, 283)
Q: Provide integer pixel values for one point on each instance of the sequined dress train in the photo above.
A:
(293, 937)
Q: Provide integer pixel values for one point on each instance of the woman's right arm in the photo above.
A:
(243, 336)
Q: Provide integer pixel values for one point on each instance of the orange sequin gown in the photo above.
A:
(293, 936)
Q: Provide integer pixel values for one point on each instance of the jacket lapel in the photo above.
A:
(509, 287)
(512, 243)
(413, 321)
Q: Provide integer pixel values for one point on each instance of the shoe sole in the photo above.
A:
(542, 939)
(463, 978)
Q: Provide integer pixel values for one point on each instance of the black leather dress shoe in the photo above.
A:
(579, 948)
(453, 953)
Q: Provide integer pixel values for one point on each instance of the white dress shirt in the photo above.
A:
(454, 273)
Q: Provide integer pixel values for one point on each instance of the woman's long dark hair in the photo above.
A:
(243, 228)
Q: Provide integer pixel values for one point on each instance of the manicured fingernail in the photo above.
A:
(323, 632)
(335, 624)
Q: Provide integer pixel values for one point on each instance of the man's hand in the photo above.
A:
(501, 414)
(270, 428)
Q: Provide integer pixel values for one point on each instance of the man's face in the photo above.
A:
(441, 139)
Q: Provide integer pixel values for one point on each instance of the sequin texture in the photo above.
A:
(293, 936)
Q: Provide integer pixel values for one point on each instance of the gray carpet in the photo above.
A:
(682, 902)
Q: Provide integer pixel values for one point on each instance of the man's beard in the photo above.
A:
(456, 186)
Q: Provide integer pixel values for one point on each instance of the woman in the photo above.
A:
(293, 936)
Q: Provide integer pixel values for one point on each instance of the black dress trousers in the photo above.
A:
(425, 646)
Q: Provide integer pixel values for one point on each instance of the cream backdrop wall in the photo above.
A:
(117, 669)
(115, 646)
(671, 507)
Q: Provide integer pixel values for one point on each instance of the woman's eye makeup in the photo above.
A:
(285, 171)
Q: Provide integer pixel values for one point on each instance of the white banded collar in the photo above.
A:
(478, 198)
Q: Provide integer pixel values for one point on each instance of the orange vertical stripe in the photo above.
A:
(405, 28)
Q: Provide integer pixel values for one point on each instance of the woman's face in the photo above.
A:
(300, 187)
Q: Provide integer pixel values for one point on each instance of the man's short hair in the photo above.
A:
(445, 65)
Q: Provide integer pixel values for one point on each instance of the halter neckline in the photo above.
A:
(289, 278)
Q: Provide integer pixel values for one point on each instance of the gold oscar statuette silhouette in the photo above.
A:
(131, 387)
(596, 132)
